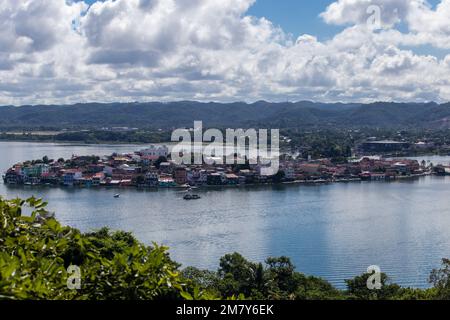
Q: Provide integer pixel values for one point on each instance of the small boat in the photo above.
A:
(117, 196)
(191, 197)
(189, 189)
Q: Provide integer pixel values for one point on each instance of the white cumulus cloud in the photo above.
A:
(125, 50)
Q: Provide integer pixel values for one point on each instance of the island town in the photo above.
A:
(153, 168)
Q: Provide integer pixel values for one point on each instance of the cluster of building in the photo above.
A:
(373, 146)
(150, 168)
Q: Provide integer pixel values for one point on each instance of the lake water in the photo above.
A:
(333, 231)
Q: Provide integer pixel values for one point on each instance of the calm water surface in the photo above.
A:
(333, 231)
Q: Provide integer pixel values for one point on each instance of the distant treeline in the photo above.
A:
(334, 143)
(261, 114)
(93, 137)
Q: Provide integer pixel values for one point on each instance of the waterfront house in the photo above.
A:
(152, 178)
(365, 176)
(50, 178)
(126, 182)
(122, 176)
(35, 170)
(192, 176)
(378, 177)
(13, 177)
(114, 183)
(71, 176)
(289, 173)
(232, 179)
(214, 179)
(85, 182)
(262, 178)
(30, 171)
(197, 177)
(98, 178)
(406, 167)
(203, 178)
(166, 181)
(402, 168)
(249, 176)
(31, 180)
(18, 169)
(180, 175)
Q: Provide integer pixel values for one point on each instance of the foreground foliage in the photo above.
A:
(36, 253)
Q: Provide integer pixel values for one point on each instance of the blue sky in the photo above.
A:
(297, 16)
(293, 16)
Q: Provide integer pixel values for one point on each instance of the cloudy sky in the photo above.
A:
(58, 51)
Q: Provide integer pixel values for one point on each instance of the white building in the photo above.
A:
(155, 151)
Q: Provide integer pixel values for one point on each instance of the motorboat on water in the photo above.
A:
(117, 196)
(189, 188)
(191, 197)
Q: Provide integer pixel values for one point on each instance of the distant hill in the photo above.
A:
(259, 114)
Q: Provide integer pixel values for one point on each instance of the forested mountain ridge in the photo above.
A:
(156, 115)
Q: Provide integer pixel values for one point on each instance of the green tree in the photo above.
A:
(281, 272)
(357, 288)
(440, 278)
(36, 250)
(238, 275)
(313, 288)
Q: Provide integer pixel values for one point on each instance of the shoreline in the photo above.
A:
(115, 143)
(81, 143)
(237, 186)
